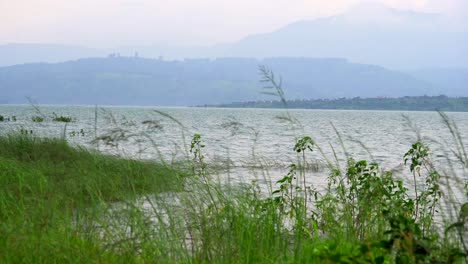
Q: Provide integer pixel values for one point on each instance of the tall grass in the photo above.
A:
(45, 184)
(61, 204)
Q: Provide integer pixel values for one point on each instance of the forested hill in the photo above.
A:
(138, 81)
(409, 103)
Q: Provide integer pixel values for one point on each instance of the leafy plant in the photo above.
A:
(428, 198)
(199, 167)
(285, 193)
(303, 144)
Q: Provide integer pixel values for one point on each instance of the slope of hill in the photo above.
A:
(452, 81)
(137, 81)
(368, 33)
(17, 53)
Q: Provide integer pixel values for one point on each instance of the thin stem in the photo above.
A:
(416, 193)
(304, 179)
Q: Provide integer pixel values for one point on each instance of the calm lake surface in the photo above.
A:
(238, 139)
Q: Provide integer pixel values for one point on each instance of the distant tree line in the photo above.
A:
(410, 103)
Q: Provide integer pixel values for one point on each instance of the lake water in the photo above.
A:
(242, 138)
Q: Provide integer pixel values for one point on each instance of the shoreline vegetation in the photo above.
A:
(407, 103)
(67, 204)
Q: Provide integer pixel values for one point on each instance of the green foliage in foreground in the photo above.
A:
(61, 204)
(407, 103)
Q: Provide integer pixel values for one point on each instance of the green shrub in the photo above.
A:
(64, 119)
(57, 118)
(37, 119)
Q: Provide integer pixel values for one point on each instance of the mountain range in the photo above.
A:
(138, 81)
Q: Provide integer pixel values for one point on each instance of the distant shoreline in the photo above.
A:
(407, 103)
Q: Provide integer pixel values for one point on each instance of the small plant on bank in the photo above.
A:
(3, 118)
(303, 144)
(199, 167)
(284, 195)
(37, 119)
(287, 196)
(64, 119)
(25, 132)
(427, 198)
(74, 133)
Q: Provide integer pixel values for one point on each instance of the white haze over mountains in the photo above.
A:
(369, 32)
(366, 34)
(111, 23)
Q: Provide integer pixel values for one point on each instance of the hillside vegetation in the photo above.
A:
(137, 81)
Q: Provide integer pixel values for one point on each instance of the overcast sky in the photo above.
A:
(112, 23)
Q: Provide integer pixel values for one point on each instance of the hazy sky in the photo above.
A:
(111, 23)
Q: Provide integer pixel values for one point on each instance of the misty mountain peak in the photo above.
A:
(376, 13)
(365, 16)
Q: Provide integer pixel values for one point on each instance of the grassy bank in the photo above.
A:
(45, 185)
(63, 204)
